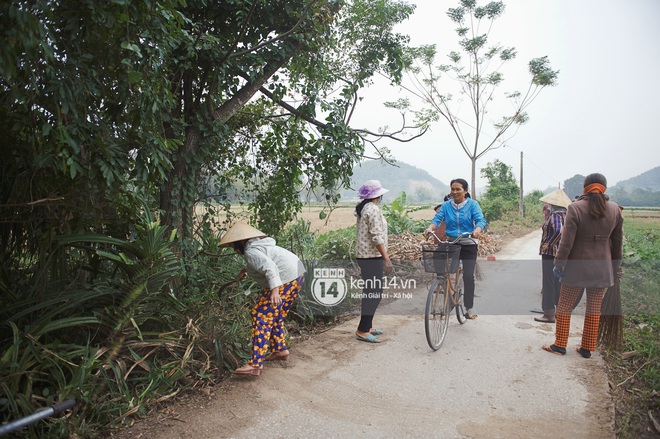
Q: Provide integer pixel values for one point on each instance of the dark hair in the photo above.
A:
(461, 181)
(597, 202)
(240, 246)
(447, 197)
(359, 207)
(436, 207)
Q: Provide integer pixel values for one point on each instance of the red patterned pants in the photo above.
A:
(567, 299)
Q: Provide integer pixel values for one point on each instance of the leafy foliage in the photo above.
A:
(638, 375)
(112, 110)
(397, 217)
(502, 194)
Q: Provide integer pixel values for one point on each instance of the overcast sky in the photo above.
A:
(603, 116)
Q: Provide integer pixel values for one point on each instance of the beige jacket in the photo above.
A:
(371, 231)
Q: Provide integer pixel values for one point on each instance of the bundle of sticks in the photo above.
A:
(610, 330)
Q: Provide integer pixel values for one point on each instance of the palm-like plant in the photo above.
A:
(90, 343)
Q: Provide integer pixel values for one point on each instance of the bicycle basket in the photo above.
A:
(441, 258)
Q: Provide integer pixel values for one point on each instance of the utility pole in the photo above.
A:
(521, 207)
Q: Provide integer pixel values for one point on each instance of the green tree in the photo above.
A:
(105, 104)
(501, 181)
(126, 98)
(502, 192)
(477, 69)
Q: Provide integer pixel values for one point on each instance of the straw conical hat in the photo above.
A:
(557, 198)
(240, 232)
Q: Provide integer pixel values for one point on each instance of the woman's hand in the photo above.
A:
(275, 298)
(388, 266)
(476, 233)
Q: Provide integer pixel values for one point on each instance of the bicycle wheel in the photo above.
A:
(460, 304)
(436, 315)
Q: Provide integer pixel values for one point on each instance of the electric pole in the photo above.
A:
(521, 207)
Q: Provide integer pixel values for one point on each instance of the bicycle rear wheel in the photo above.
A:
(436, 315)
(460, 300)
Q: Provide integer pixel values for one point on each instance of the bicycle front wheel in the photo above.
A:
(460, 304)
(436, 315)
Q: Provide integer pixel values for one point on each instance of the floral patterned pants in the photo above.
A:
(268, 321)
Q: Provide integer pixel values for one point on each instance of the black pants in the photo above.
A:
(469, 258)
(372, 271)
(551, 285)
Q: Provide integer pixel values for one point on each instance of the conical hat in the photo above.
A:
(240, 232)
(557, 198)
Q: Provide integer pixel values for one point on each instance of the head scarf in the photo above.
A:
(594, 188)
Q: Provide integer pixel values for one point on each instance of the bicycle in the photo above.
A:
(444, 260)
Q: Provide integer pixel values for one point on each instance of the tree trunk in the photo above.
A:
(473, 181)
(176, 204)
(176, 197)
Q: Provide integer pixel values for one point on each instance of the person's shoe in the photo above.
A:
(248, 370)
(545, 319)
(584, 352)
(278, 356)
(553, 349)
(376, 332)
(369, 339)
(470, 314)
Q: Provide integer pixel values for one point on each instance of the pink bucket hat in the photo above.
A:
(371, 189)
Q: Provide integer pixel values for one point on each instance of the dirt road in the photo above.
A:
(490, 379)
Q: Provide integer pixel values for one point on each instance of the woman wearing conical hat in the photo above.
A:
(557, 202)
(281, 275)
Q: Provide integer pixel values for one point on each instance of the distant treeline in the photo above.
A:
(638, 197)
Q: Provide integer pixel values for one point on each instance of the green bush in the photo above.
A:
(338, 245)
(398, 219)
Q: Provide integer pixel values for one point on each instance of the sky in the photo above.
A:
(603, 115)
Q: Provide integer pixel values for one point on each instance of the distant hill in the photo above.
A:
(419, 185)
(649, 180)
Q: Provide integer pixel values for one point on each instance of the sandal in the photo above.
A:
(278, 356)
(553, 349)
(248, 370)
(369, 338)
(545, 319)
(470, 315)
(376, 332)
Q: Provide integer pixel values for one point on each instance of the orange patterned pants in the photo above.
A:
(567, 298)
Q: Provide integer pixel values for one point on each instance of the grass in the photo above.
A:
(634, 372)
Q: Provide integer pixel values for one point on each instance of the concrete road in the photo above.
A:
(490, 379)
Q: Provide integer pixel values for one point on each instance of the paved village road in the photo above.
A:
(490, 379)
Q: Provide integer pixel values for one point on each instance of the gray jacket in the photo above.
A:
(270, 265)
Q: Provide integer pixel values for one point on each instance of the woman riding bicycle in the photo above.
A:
(462, 214)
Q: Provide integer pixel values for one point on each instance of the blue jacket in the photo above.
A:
(460, 220)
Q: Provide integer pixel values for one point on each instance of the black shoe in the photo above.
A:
(585, 353)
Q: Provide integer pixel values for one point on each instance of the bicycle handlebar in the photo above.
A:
(458, 238)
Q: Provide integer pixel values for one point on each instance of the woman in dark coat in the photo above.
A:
(589, 254)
